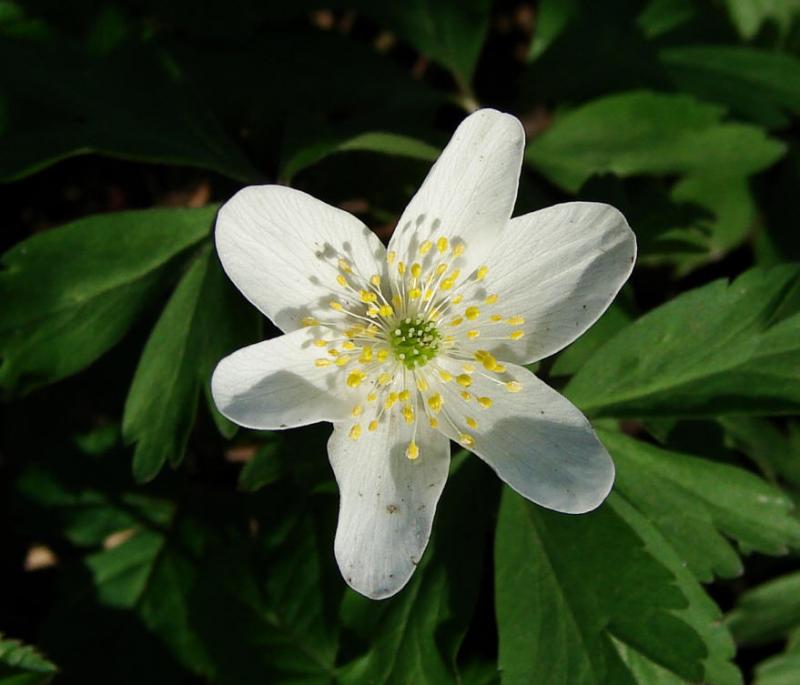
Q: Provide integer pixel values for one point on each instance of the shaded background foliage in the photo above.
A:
(147, 540)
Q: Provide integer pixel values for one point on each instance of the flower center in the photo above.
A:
(414, 342)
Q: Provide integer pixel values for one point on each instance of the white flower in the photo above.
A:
(408, 348)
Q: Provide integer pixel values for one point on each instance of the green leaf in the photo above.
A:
(414, 637)
(779, 670)
(384, 143)
(203, 321)
(776, 451)
(128, 103)
(749, 15)
(760, 85)
(568, 589)
(648, 133)
(579, 352)
(70, 293)
(661, 16)
(767, 612)
(722, 349)
(552, 17)
(23, 665)
(450, 32)
(701, 503)
(264, 468)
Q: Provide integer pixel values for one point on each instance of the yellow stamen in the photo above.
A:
(355, 432)
(375, 280)
(491, 299)
(355, 378)
(464, 380)
(336, 306)
(485, 402)
(422, 384)
(472, 313)
(472, 423)
(391, 257)
(465, 396)
(320, 342)
(412, 451)
(357, 410)
(446, 376)
(343, 360)
(384, 379)
(322, 363)
(458, 249)
(442, 244)
(457, 321)
(516, 320)
(516, 335)
(466, 439)
(416, 269)
(344, 265)
(480, 274)
(414, 293)
(435, 403)
(341, 280)
(408, 413)
(434, 422)
(401, 268)
(474, 333)
(310, 321)
(425, 247)
(513, 386)
(373, 425)
(405, 395)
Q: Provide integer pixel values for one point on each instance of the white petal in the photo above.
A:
(281, 247)
(535, 439)
(558, 268)
(387, 502)
(470, 191)
(275, 384)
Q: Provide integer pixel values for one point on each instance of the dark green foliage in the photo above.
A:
(123, 126)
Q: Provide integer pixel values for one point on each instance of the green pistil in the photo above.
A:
(414, 342)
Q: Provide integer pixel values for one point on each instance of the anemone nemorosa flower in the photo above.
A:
(408, 347)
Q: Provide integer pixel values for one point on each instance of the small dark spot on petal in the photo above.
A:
(391, 508)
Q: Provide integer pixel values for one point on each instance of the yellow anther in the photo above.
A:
(435, 403)
(336, 306)
(422, 384)
(310, 321)
(472, 423)
(440, 269)
(416, 269)
(466, 439)
(373, 311)
(414, 293)
(382, 354)
(401, 268)
(458, 249)
(485, 402)
(357, 410)
(348, 345)
(457, 321)
(487, 359)
(516, 335)
(496, 317)
(412, 451)
(322, 363)
(404, 395)
(367, 296)
(375, 280)
(366, 355)
(457, 299)
(384, 379)
(499, 368)
(480, 274)
(446, 376)
(408, 413)
(371, 331)
(516, 320)
(319, 342)
(344, 265)
(386, 310)
(468, 368)
(473, 334)
(442, 244)
(333, 352)
(372, 397)
(355, 432)
(513, 386)
(428, 294)
(390, 257)
(343, 360)
(434, 422)
(491, 299)
(464, 380)
(396, 301)
(465, 396)
(390, 401)
(472, 313)
(355, 378)
(425, 247)
(373, 425)
(447, 283)
(341, 280)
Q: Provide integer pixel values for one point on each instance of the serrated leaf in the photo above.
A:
(760, 85)
(127, 103)
(750, 15)
(203, 321)
(70, 293)
(22, 665)
(779, 670)
(450, 32)
(776, 451)
(568, 588)
(643, 132)
(722, 349)
(697, 504)
(414, 637)
(391, 144)
(767, 612)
